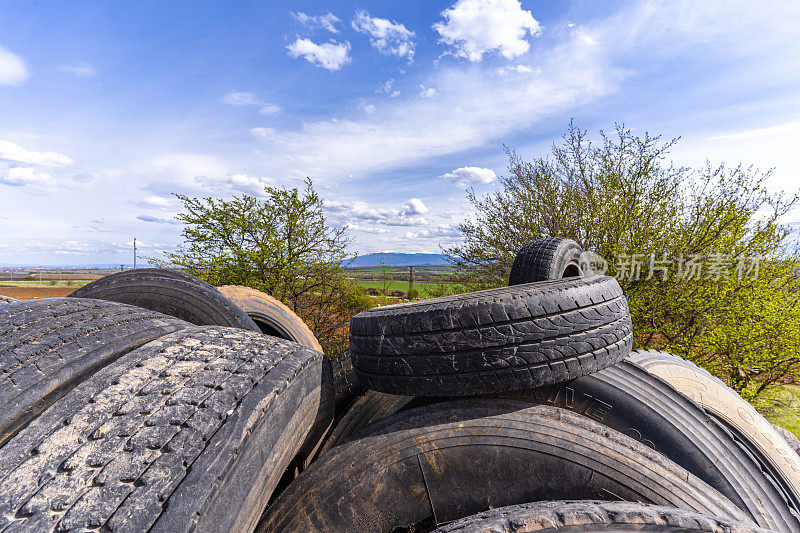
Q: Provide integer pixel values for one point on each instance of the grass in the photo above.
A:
(781, 406)
(422, 288)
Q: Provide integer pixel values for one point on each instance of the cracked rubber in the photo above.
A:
(271, 315)
(188, 432)
(430, 465)
(495, 340)
(548, 258)
(345, 383)
(171, 294)
(6, 299)
(725, 404)
(595, 515)
(50, 345)
(628, 399)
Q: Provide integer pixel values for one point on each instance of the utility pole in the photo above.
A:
(134, 253)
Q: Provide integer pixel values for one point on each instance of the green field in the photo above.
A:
(422, 288)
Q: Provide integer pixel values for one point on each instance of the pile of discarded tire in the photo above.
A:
(150, 400)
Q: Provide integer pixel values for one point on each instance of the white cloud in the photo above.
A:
(466, 176)
(518, 69)
(368, 108)
(476, 27)
(157, 220)
(415, 206)
(386, 36)
(79, 68)
(12, 68)
(386, 88)
(787, 128)
(331, 56)
(157, 201)
(235, 183)
(326, 22)
(262, 134)
(250, 99)
(10, 151)
(427, 92)
(445, 230)
(24, 176)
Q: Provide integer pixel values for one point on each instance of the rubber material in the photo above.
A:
(193, 302)
(271, 315)
(789, 437)
(724, 403)
(345, 383)
(548, 258)
(593, 516)
(48, 346)
(6, 299)
(630, 400)
(494, 340)
(434, 464)
(188, 432)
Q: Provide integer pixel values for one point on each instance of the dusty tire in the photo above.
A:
(725, 404)
(548, 258)
(49, 346)
(789, 437)
(364, 410)
(345, 383)
(271, 315)
(593, 516)
(494, 340)
(193, 302)
(6, 299)
(188, 432)
(630, 400)
(437, 463)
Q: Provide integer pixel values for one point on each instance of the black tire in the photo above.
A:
(630, 400)
(364, 410)
(434, 464)
(189, 432)
(345, 383)
(6, 299)
(271, 315)
(725, 404)
(548, 258)
(494, 340)
(593, 516)
(189, 301)
(48, 346)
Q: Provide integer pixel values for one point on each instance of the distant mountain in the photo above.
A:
(398, 259)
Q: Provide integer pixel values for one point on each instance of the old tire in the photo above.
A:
(195, 303)
(789, 437)
(725, 404)
(548, 258)
(345, 383)
(430, 465)
(593, 516)
(494, 340)
(6, 299)
(48, 346)
(271, 315)
(188, 432)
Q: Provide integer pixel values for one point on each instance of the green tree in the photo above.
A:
(281, 245)
(623, 200)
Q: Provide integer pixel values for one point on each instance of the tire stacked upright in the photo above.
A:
(561, 415)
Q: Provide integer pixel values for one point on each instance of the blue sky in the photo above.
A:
(392, 108)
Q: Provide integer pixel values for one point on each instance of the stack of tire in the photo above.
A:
(524, 409)
(149, 401)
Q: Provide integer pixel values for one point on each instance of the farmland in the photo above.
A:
(427, 280)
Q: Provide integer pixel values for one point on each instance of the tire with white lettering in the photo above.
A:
(628, 399)
(548, 258)
(271, 315)
(496, 340)
(593, 516)
(172, 294)
(190, 432)
(49, 346)
(427, 466)
(725, 404)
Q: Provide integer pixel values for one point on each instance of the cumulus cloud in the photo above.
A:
(473, 28)
(414, 206)
(262, 134)
(331, 56)
(445, 230)
(386, 89)
(24, 176)
(466, 176)
(235, 183)
(368, 108)
(12, 68)
(250, 99)
(360, 212)
(10, 151)
(518, 69)
(79, 68)
(386, 36)
(427, 92)
(326, 22)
